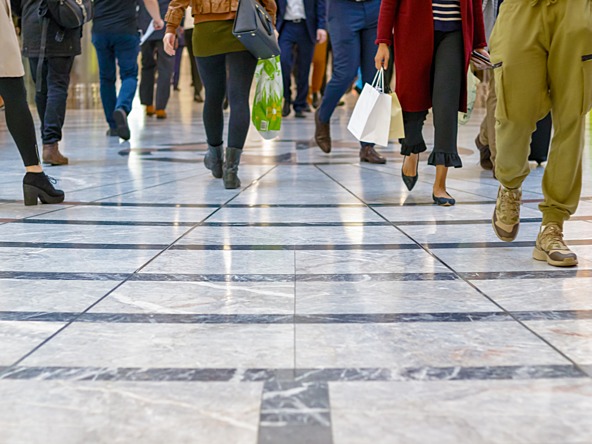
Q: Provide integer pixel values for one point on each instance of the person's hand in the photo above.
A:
(480, 64)
(158, 24)
(169, 43)
(382, 56)
(321, 36)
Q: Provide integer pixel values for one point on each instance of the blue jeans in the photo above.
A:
(51, 100)
(123, 49)
(352, 27)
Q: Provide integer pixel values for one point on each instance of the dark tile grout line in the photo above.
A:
(48, 339)
(493, 301)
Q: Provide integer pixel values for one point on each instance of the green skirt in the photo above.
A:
(214, 38)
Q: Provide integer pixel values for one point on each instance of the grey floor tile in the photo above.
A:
(420, 344)
(19, 338)
(461, 412)
(57, 412)
(574, 338)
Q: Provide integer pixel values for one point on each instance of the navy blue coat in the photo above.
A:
(316, 16)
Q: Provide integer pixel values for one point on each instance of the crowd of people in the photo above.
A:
(540, 65)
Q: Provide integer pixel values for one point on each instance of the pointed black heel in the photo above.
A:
(443, 201)
(39, 187)
(410, 181)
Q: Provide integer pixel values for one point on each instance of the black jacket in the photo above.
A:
(60, 42)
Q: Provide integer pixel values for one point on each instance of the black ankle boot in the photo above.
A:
(213, 160)
(38, 186)
(231, 180)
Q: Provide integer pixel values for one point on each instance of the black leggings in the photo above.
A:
(18, 118)
(224, 74)
(447, 81)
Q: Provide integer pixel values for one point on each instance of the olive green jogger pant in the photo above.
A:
(542, 57)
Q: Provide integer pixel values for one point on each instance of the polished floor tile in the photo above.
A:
(320, 303)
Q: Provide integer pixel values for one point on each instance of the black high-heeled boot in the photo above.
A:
(410, 181)
(231, 180)
(39, 186)
(213, 160)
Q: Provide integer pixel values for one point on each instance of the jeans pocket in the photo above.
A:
(587, 84)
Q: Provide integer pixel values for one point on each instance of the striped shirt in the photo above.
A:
(447, 15)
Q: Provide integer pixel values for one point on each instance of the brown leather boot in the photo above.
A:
(52, 155)
(369, 154)
(322, 134)
(484, 155)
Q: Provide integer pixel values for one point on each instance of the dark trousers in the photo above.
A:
(18, 118)
(295, 35)
(155, 59)
(122, 49)
(197, 86)
(447, 81)
(352, 27)
(51, 100)
(230, 74)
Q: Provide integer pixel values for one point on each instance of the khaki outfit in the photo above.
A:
(542, 53)
(11, 64)
(487, 131)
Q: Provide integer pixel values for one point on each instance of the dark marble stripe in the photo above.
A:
(212, 277)
(310, 247)
(294, 413)
(59, 276)
(496, 244)
(271, 318)
(557, 315)
(376, 277)
(517, 372)
(105, 222)
(538, 274)
(404, 223)
(83, 246)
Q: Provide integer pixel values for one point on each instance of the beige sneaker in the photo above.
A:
(506, 217)
(550, 247)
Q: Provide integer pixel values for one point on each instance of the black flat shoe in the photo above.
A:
(410, 181)
(38, 186)
(443, 201)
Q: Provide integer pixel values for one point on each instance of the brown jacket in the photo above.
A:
(209, 11)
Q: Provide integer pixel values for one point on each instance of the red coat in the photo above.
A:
(412, 23)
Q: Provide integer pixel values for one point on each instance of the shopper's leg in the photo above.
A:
(241, 69)
(345, 21)
(19, 120)
(303, 62)
(126, 51)
(107, 74)
(448, 80)
(212, 71)
(166, 65)
(197, 86)
(570, 83)
(287, 42)
(522, 90)
(40, 93)
(148, 73)
(58, 81)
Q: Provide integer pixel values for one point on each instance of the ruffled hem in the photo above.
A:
(446, 159)
(407, 150)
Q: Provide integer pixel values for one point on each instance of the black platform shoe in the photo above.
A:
(443, 201)
(38, 186)
(410, 181)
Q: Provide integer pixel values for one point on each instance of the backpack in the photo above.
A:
(68, 14)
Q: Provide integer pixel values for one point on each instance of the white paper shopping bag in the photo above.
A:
(370, 120)
(397, 130)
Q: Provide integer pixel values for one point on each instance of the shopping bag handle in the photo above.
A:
(378, 82)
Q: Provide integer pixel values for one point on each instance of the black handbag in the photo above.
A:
(254, 28)
(68, 14)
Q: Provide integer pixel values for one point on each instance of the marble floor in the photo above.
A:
(320, 303)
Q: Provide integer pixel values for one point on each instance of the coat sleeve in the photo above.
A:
(386, 20)
(175, 14)
(479, 40)
(321, 14)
